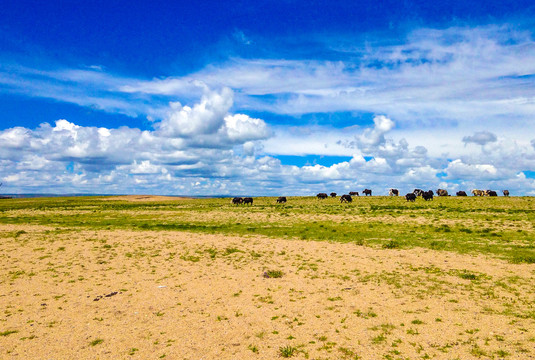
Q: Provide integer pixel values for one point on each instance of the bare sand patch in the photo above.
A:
(145, 198)
(111, 294)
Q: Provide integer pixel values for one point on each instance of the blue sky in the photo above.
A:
(266, 97)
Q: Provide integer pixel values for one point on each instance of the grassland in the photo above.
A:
(501, 227)
(379, 278)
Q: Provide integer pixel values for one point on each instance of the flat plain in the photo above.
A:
(162, 277)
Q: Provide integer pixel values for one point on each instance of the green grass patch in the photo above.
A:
(8, 332)
(273, 274)
(473, 225)
(287, 351)
(96, 342)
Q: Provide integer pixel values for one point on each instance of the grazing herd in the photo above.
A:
(489, 193)
(239, 201)
(428, 195)
(412, 196)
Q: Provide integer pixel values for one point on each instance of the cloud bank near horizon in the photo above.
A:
(205, 149)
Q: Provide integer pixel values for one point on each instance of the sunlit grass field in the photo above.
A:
(500, 227)
(161, 277)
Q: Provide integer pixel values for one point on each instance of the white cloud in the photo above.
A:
(199, 145)
(240, 128)
(374, 137)
(481, 138)
(14, 138)
(428, 92)
(143, 167)
(454, 75)
(420, 175)
(204, 118)
(459, 170)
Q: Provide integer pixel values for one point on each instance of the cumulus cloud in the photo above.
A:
(207, 117)
(14, 138)
(210, 124)
(193, 142)
(242, 128)
(374, 137)
(143, 167)
(459, 170)
(480, 138)
(229, 160)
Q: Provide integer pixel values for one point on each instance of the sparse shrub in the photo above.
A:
(477, 351)
(392, 244)
(502, 353)
(96, 342)
(379, 339)
(19, 233)
(287, 351)
(191, 258)
(8, 332)
(212, 252)
(273, 274)
(230, 250)
(468, 276)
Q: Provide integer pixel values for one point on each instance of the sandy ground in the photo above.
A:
(144, 198)
(175, 295)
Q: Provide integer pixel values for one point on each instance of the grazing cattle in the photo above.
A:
(478, 192)
(248, 200)
(442, 192)
(333, 194)
(491, 193)
(367, 192)
(237, 201)
(354, 193)
(346, 198)
(505, 192)
(461, 193)
(322, 196)
(428, 195)
(418, 192)
(410, 196)
(393, 192)
(281, 199)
